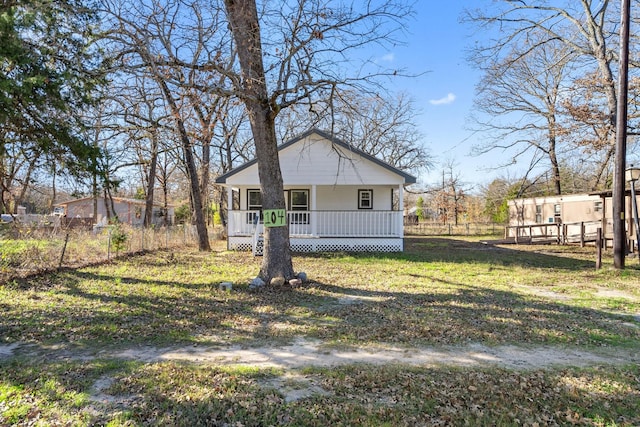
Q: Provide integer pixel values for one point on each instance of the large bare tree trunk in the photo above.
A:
(196, 197)
(243, 17)
(277, 255)
(151, 181)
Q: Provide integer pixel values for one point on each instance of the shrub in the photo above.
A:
(118, 237)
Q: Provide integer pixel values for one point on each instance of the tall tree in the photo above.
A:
(50, 71)
(289, 55)
(519, 100)
(585, 28)
(146, 122)
(245, 27)
(449, 197)
(167, 42)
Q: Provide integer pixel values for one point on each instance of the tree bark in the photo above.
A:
(201, 226)
(243, 19)
(151, 181)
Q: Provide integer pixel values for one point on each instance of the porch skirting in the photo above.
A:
(325, 244)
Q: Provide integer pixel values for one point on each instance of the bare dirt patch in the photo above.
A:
(303, 353)
(614, 293)
(294, 386)
(7, 350)
(547, 293)
(309, 353)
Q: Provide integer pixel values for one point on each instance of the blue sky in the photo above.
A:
(436, 43)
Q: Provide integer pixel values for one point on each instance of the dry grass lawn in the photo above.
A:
(65, 338)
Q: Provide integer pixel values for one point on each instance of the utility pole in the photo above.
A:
(618, 195)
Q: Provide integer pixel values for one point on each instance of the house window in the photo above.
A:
(538, 214)
(556, 213)
(254, 203)
(597, 206)
(299, 201)
(365, 199)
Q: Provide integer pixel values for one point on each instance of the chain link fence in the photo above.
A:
(474, 229)
(28, 250)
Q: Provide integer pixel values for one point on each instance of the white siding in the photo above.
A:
(335, 198)
(315, 161)
(573, 208)
(346, 198)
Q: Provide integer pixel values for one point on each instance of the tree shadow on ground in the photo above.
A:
(422, 307)
(437, 249)
(182, 394)
(422, 314)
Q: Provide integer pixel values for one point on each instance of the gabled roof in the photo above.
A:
(408, 179)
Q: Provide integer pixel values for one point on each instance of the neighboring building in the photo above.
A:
(590, 211)
(556, 209)
(338, 198)
(129, 211)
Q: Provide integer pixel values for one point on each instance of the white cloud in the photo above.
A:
(443, 101)
(389, 57)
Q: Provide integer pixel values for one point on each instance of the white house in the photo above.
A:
(338, 198)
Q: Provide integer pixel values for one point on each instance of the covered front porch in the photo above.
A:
(319, 231)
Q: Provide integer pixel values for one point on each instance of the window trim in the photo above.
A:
(251, 217)
(597, 206)
(296, 214)
(361, 193)
(253, 207)
(293, 207)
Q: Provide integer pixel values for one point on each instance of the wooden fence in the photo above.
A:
(575, 232)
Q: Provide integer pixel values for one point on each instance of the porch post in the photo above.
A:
(229, 208)
(314, 215)
(400, 209)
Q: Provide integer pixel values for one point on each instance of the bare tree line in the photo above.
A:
(194, 88)
(549, 86)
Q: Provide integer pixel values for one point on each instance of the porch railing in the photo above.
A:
(325, 223)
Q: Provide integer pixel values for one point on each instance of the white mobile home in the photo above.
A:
(338, 198)
(578, 214)
(555, 209)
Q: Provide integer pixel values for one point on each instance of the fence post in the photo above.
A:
(109, 245)
(64, 248)
(598, 248)
(582, 231)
